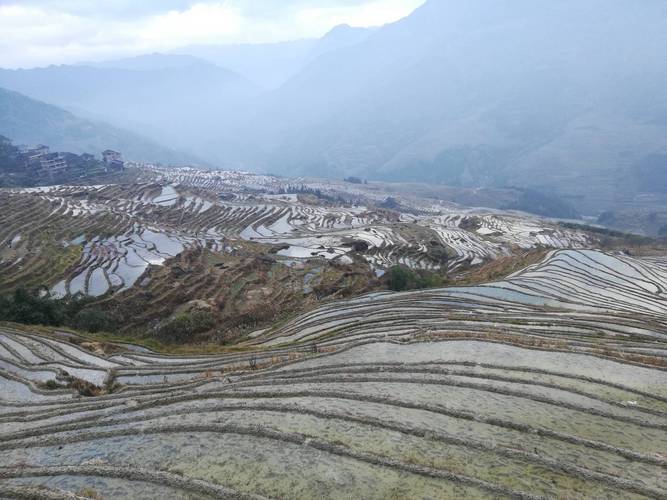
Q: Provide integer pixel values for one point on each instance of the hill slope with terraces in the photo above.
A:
(550, 382)
(173, 241)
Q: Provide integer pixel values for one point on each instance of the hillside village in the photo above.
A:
(26, 166)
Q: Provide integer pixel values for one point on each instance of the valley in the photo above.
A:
(333, 249)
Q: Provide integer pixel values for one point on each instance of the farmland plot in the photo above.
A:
(549, 383)
(97, 240)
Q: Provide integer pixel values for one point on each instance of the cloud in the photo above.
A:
(46, 32)
(108, 9)
(28, 31)
(202, 22)
(374, 13)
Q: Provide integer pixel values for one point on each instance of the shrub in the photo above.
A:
(94, 320)
(110, 382)
(88, 492)
(28, 307)
(24, 306)
(186, 325)
(400, 278)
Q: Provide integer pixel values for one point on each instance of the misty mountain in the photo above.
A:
(149, 62)
(566, 98)
(267, 65)
(176, 105)
(560, 96)
(27, 121)
(271, 65)
(339, 37)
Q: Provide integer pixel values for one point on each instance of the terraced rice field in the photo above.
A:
(549, 384)
(98, 239)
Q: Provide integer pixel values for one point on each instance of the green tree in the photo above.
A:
(25, 306)
(400, 278)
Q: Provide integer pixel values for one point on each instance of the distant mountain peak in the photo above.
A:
(347, 30)
(340, 37)
(339, 28)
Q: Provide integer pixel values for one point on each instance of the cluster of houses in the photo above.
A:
(44, 162)
(112, 160)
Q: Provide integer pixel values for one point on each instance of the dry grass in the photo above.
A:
(546, 344)
(518, 340)
(500, 268)
(87, 492)
(641, 359)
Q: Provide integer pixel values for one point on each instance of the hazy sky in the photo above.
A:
(42, 32)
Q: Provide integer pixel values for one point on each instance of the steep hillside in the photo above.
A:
(340, 37)
(27, 121)
(559, 97)
(487, 92)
